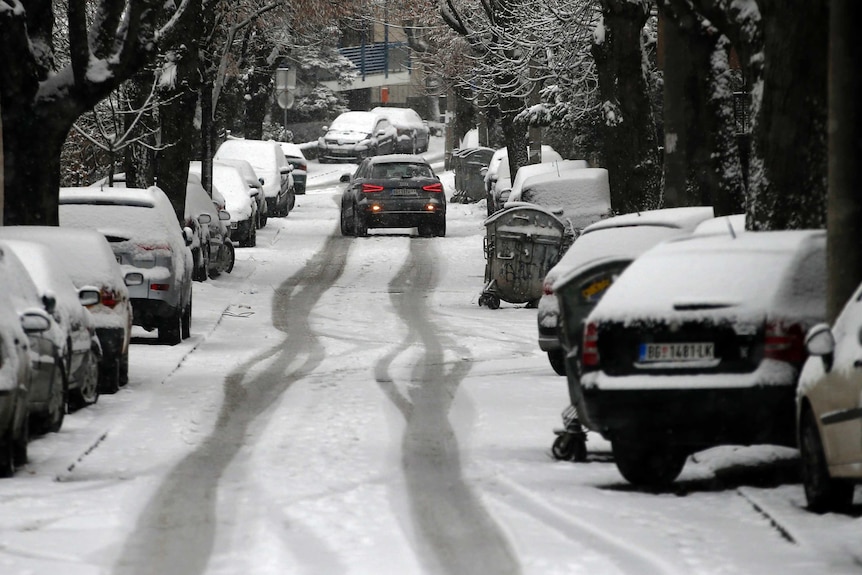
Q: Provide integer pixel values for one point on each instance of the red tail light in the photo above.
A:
(371, 188)
(784, 342)
(590, 352)
(438, 187)
(109, 298)
(160, 287)
(547, 288)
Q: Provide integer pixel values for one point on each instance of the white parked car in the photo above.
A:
(267, 159)
(87, 258)
(354, 136)
(498, 179)
(294, 156)
(413, 132)
(829, 410)
(255, 187)
(146, 238)
(232, 186)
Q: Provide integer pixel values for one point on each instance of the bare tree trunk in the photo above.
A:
(629, 134)
(138, 160)
(844, 243)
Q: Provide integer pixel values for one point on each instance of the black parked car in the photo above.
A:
(393, 191)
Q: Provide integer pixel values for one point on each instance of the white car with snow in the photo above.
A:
(267, 159)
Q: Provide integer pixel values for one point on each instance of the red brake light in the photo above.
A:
(438, 187)
(160, 287)
(547, 288)
(109, 298)
(784, 342)
(369, 188)
(590, 353)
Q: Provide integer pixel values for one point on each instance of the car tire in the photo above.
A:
(187, 321)
(261, 220)
(230, 256)
(557, 359)
(346, 223)
(199, 273)
(439, 229)
(648, 463)
(7, 454)
(252, 237)
(20, 444)
(170, 332)
(109, 374)
(360, 226)
(822, 492)
(51, 420)
(87, 392)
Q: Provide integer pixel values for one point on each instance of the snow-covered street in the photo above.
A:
(345, 406)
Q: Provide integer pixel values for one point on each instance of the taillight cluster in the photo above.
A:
(371, 188)
(590, 350)
(784, 342)
(547, 287)
(108, 298)
(438, 187)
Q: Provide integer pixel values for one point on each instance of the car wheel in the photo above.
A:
(230, 256)
(87, 392)
(20, 443)
(51, 421)
(648, 463)
(360, 226)
(196, 266)
(109, 373)
(187, 321)
(261, 219)
(7, 454)
(170, 332)
(822, 492)
(439, 228)
(346, 223)
(124, 369)
(558, 361)
(425, 229)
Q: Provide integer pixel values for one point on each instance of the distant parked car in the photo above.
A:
(241, 207)
(353, 136)
(413, 132)
(294, 156)
(267, 159)
(498, 179)
(76, 333)
(224, 261)
(589, 267)
(699, 343)
(46, 397)
(829, 410)
(393, 191)
(146, 238)
(15, 359)
(87, 258)
(255, 188)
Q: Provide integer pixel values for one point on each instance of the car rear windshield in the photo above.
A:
(397, 171)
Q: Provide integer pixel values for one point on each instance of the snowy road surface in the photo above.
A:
(345, 406)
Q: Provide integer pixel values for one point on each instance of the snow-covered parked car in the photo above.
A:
(88, 260)
(267, 159)
(699, 343)
(353, 136)
(254, 189)
(498, 178)
(294, 156)
(146, 238)
(413, 132)
(829, 410)
(599, 255)
(75, 334)
(237, 201)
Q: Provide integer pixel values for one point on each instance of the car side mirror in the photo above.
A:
(344, 178)
(324, 129)
(49, 301)
(261, 180)
(89, 296)
(205, 218)
(820, 341)
(35, 321)
(188, 234)
(133, 279)
(253, 191)
(223, 215)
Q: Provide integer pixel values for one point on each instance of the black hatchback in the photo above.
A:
(393, 191)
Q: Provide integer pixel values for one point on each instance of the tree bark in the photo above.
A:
(629, 135)
(844, 245)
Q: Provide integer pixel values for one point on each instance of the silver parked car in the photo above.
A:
(354, 136)
(146, 238)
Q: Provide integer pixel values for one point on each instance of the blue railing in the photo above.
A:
(378, 58)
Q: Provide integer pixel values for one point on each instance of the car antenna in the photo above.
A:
(730, 227)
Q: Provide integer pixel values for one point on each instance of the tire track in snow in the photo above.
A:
(176, 533)
(455, 532)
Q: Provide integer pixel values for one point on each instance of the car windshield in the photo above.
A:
(401, 170)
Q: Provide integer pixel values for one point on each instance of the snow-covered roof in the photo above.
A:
(751, 273)
(526, 174)
(261, 154)
(292, 150)
(722, 225)
(232, 187)
(687, 218)
(406, 117)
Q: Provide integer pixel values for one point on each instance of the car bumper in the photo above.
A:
(299, 183)
(692, 410)
(241, 231)
(149, 313)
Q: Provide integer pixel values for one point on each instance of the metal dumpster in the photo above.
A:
(521, 244)
(469, 179)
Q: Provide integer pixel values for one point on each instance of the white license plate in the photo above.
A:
(676, 352)
(403, 192)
